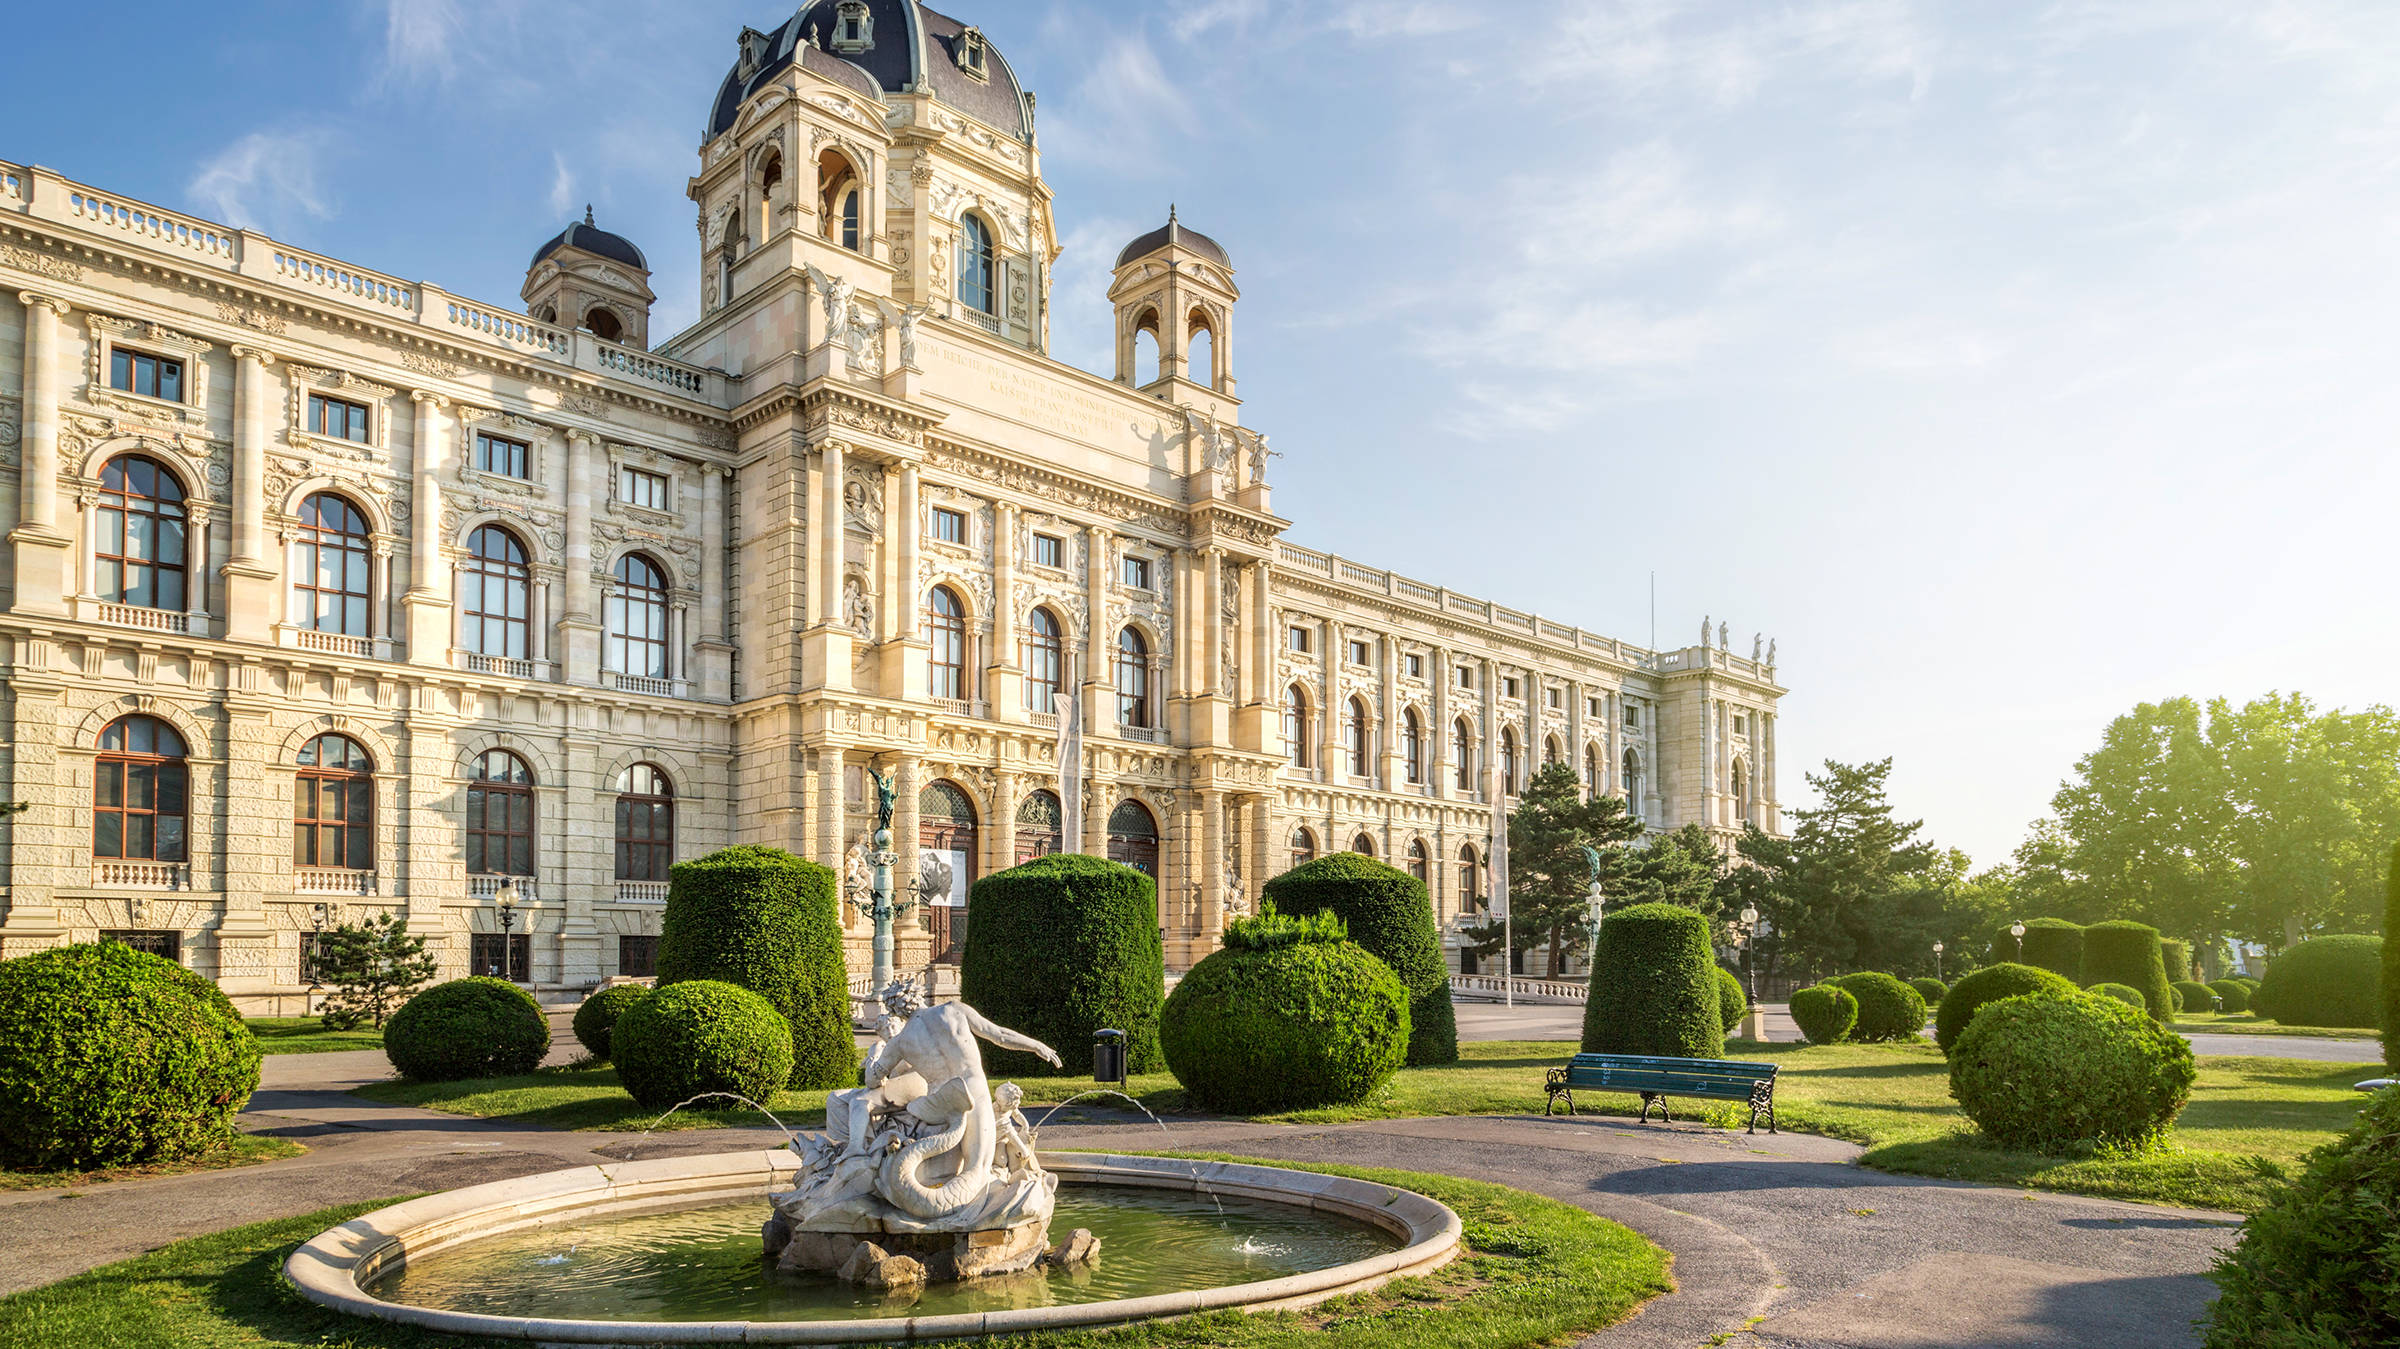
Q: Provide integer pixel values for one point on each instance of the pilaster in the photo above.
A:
(42, 555)
(251, 575)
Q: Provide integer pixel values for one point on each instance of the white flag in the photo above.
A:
(1069, 707)
(1500, 859)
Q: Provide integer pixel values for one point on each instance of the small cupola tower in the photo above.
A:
(587, 277)
(1176, 284)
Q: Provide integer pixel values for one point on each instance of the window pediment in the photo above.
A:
(109, 332)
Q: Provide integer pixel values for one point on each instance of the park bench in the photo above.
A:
(1657, 1078)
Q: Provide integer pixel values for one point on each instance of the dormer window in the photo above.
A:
(753, 54)
(970, 51)
(853, 27)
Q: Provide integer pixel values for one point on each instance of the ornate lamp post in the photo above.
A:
(875, 900)
(2017, 930)
(504, 904)
(1591, 858)
(1937, 960)
(324, 911)
(1749, 939)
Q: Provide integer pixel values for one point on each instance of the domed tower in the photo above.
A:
(587, 277)
(1176, 284)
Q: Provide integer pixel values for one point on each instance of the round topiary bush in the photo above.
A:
(1887, 1008)
(1931, 990)
(2249, 983)
(2232, 995)
(1288, 1015)
(2053, 1074)
(2324, 981)
(1732, 1003)
(2316, 1266)
(2124, 993)
(2052, 944)
(1653, 986)
(599, 1012)
(1990, 984)
(771, 922)
(2128, 953)
(1389, 913)
(2178, 954)
(2195, 997)
(1824, 1013)
(1058, 948)
(475, 1027)
(110, 1056)
(700, 1036)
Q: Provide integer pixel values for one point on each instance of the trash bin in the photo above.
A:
(1108, 1056)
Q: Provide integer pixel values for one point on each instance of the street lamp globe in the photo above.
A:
(2017, 930)
(1749, 916)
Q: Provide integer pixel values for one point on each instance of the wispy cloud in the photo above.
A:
(264, 181)
(562, 185)
(1124, 110)
(421, 39)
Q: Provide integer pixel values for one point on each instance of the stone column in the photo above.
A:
(430, 629)
(829, 543)
(1003, 689)
(1001, 853)
(250, 599)
(1612, 773)
(1261, 666)
(1333, 765)
(1437, 665)
(1388, 752)
(1097, 638)
(832, 817)
(1211, 871)
(712, 654)
(1212, 626)
(579, 612)
(42, 552)
(908, 780)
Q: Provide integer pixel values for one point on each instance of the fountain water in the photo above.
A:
(788, 1136)
(1099, 1091)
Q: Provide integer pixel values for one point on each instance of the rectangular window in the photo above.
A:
(949, 526)
(1049, 551)
(1137, 572)
(637, 957)
(1466, 676)
(1591, 707)
(145, 374)
(1557, 698)
(1416, 667)
(338, 418)
(1741, 724)
(1298, 639)
(1359, 654)
(508, 458)
(639, 487)
(1508, 687)
(168, 944)
(1633, 716)
(492, 959)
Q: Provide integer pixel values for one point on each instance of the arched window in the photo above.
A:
(945, 843)
(1133, 837)
(1038, 820)
(645, 823)
(499, 816)
(1591, 770)
(1632, 779)
(1741, 792)
(976, 281)
(946, 656)
(1462, 754)
(1508, 759)
(333, 805)
(1304, 845)
(604, 325)
(1470, 879)
(1200, 351)
(1418, 863)
(1355, 738)
(330, 558)
(1412, 745)
(838, 200)
(499, 596)
(770, 182)
(1146, 349)
(138, 552)
(140, 791)
(1044, 659)
(1295, 726)
(637, 619)
(1133, 679)
(1551, 753)
(1363, 845)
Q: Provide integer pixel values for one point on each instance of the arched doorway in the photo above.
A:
(1133, 837)
(945, 864)
(1037, 825)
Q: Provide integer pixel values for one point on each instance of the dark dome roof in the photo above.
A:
(913, 46)
(591, 238)
(1173, 232)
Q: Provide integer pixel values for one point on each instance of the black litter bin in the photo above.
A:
(1108, 1056)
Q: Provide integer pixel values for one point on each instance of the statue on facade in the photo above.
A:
(1757, 643)
(1770, 654)
(1704, 625)
(1724, 636)
(858, 612)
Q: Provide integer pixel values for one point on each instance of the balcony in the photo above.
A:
(485, 886)
(133, 874)
(333, 643)
(1144, 735)
(1048, 721)
(646, 684)
(959, 707)
(332, 881)
(138, 616)
(507, 667)
(641, 892)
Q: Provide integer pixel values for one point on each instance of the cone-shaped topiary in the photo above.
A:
(2178, 954)
(2232, 995)
(2052, 944)
(1389, 913)
(2391, 963)
(2317, 1266)
(1824, 1013)
(1887, 1008)
(1990, 984)
(1653, 986)
(1732, 1004)
(1058, 948)
(771, 922)
(1931, 990)
(475, 1027)
(597, 1016)
(700, 1036)
(109, 1055)
(2128, 953)
(1287, 1016)
(2195, 997)
(2051, 1074)
(2124, 993)
(2324, 981)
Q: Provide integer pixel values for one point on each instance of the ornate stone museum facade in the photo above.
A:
(329, 592)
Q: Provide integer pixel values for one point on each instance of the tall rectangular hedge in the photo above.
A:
(2391, 964)
(772, 923)
(1389, 913)
(2122, 952)
(1058, 948)
(2052, 944)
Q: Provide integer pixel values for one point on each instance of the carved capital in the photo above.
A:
(422, 396)
(244, 353)
(51, 302)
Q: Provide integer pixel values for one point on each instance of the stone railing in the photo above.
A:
(1496, 987)
(332, 881)
(1393, 585)
(511, 667)
(131, 874)
(656, 369)
(1048, 721)
(325, 274)
(137, 616)
(483, 885)
(641, 892)
(174, 231)
(1145, 735)
(332, 643)
(649, 684)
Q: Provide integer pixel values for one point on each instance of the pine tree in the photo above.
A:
(1549, 875)
(1852, 888)
(374, 966)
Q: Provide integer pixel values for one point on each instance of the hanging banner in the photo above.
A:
(1069, 707)
(1499, 895)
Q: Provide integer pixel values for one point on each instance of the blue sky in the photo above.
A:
(2008, 364)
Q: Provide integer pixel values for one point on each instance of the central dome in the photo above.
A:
(906, 48)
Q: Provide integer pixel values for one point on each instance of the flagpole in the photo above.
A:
(1508, 971)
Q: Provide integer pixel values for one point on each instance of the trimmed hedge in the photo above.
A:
(2391, 963)
(2324, 981)
(1824, 1013)
(1887, 1008)
(478, 1027)
(2128, 953)
(1287, 1016)
(1058, 948)
(598, 1014)
(771, 922)
(2195, 997)
(1990, 984)
(1931, 990)
(2317, 1267)
(1654, 986)
(1732, 1003)
(2060, 1074)
(109, 1055)
(2052, 944)
(1389, 913)
(2178, 954)
(2124, 993)
(700, 1036)
(2232, 995)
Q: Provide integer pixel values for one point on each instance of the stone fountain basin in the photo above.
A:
(333, 1267)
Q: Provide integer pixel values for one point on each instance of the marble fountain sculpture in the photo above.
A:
(925, 1172)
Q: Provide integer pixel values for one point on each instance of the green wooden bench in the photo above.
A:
(1656, 1079)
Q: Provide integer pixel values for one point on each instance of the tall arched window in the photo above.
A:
(1304, 845)
(333, 805)
(1355, 738)
(770, 183)
(1551, 753)
(1470, 879)
(499, 596)
(1133, 679)
(976, 282)
(138, 554)
(1038, 824)
(1508, 759)
(645, 823)
(1462, 754)
(330, 559)
(946, 653)
(1044, 659)
(637, 618)
(1632, 779)
(1295, 726)
(1741, 792)
(1133, 837)
(1591, 770)
(1362, 844)
(499, 816)
(140, 792)
(1412, 745)
(945, 843)
(838, 200)
(1419, 865)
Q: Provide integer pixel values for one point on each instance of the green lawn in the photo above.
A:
(1536, 1272)
(307, 1035)
(244, 1150)
(1894, 1099)
(2245, 1023)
